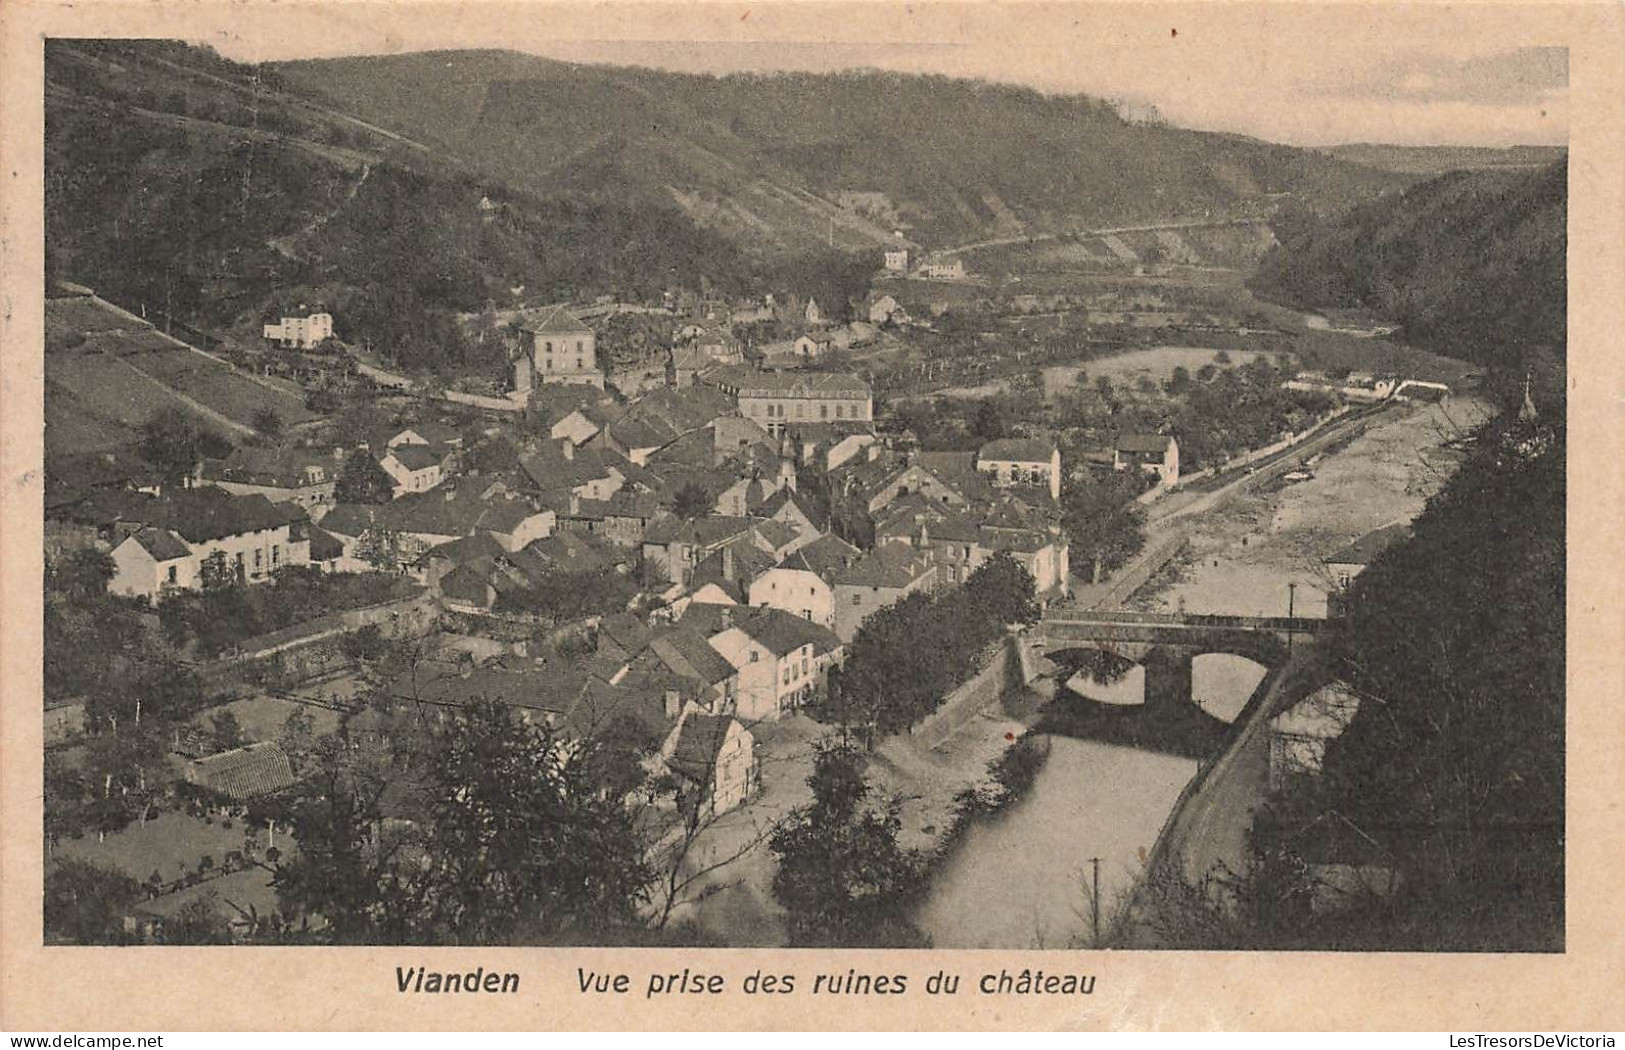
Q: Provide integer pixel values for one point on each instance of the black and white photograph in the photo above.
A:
(1083, 487)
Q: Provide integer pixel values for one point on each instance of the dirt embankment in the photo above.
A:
(1264, 551)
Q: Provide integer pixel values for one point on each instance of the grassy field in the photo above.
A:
(1156, 364)
(106, 374)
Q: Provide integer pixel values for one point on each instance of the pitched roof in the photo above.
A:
(246, 772)
(414, 457)
(892, 565)
(466, 550)
(209, 513)
(1143, 443)
(801, 384)
(162, 544)
(781, 632)
(272, 468)
(699, 738)
(1018, 450)
(823, 556)
(1365, 550)
(686, 652)
(776, 533)
(555, 320)
(702, 532)
(324, 546)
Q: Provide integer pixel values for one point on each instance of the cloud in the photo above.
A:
(1520, 77)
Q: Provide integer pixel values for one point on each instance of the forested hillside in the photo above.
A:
(794, 159)
(1471, 264)
(180, 183)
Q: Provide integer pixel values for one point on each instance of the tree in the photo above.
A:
(174, 443)
(86, 904)
(362, 480)
(1104, 524)
(215, 573)
(1003, 590)
(198, 921)
(523, 843)
(358, 885)
(82, 575)
(267, 422)
(692, 502)
(226, 734)
(843, 878)
(1179, 380)
(988, 423)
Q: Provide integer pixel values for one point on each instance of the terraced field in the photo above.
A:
(107, 373)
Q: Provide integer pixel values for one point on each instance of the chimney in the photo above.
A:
(568, 448)
(728, 562)
(727, 617)
(674, 703)
(787, 475)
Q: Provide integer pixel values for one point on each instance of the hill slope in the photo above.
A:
(183, 184)
(1472, 264)
(775, 157)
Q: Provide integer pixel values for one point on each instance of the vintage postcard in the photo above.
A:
(535, 516)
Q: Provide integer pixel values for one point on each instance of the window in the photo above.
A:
(580, 346)
(579, 364)
(170, 576)
(755, 656)
(786, 676)
(823, 411)
(259, 559)
(548, 346)
(857, 599)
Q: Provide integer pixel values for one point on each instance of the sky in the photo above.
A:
(1305, 74)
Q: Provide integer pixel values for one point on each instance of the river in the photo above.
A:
(1020, 879)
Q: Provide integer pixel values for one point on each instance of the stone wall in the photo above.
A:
(1006, 670)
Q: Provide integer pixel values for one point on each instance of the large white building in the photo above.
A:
(207, 532)
(776, 400)
(300, 333)
(559, 348)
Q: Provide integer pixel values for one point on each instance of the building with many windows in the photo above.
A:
(558, 348)
(776, 400)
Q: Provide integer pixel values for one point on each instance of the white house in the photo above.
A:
(246, 538)
(782, 660)
(811, 346)
(943, 269)
(1150, 453)
(715, 755)
(414, 468)
(300, 333)
(897, 260)
(1017, 461)
(797, 591)
(561, 349)
(151, 562)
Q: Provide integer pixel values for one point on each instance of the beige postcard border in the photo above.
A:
(156, 989)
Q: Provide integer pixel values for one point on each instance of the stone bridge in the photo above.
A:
(1167, 644)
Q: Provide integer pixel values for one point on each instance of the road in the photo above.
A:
(1031, 238)
(1170, 521)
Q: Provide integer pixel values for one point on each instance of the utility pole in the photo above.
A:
(1291, 595)
(1094, 901)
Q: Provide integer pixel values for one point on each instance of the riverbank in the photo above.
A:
(1262, 552)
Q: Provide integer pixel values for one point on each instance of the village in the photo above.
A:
(666, 544)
